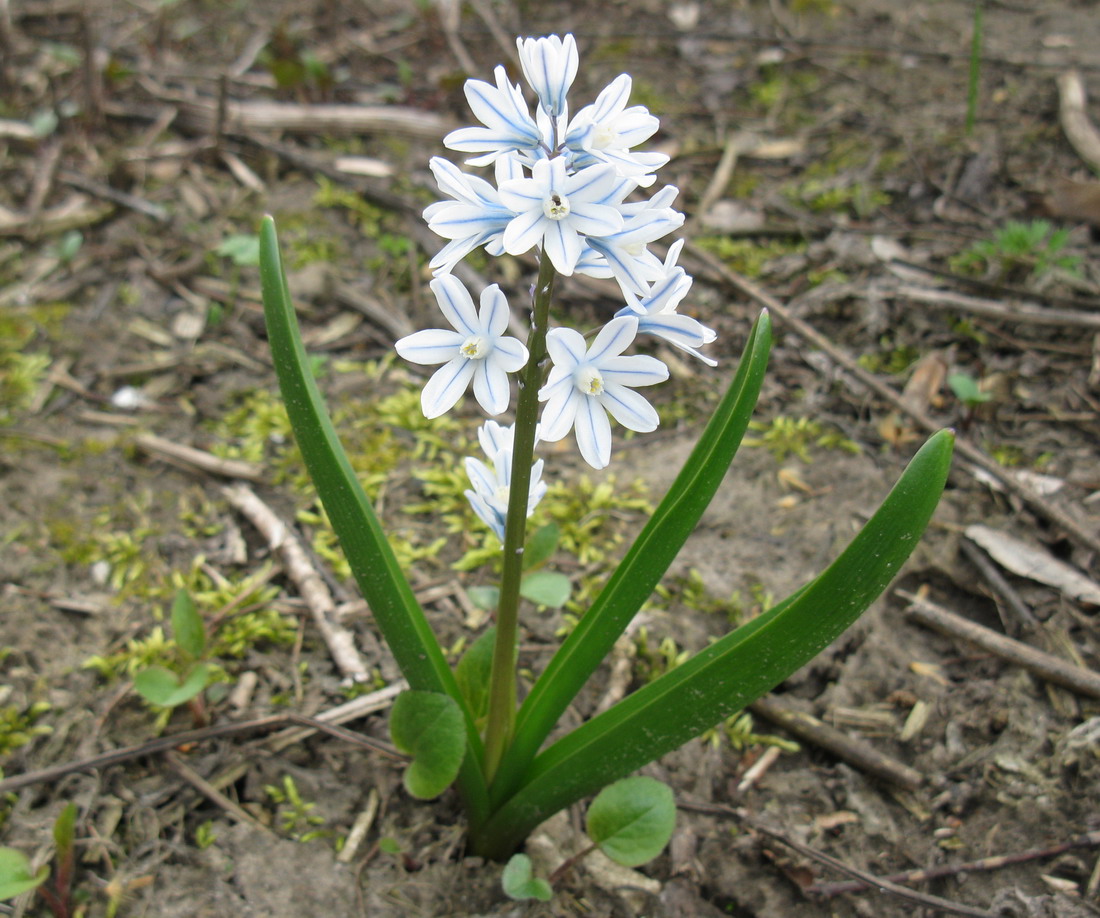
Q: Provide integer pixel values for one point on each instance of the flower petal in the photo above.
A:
(446, 386)
(491, 387)
(633, 370)
(593, 431)
(481, 478)
(509, 354)
(524, 232)
(614, 338)
(559, 413)
(430, 346)
(493, 315)
(562, 245)
(566, 348)
(456, 304)
(629, 408)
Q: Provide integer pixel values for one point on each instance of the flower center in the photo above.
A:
(589, 381)
(556, 207)
(503, 492)
(604, 137)
(475, 347)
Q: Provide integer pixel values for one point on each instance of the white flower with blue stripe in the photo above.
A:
(656, 311)
(476, 350)
(549, 66)
(586, 385)
(508, 125)
(474, 217)
(606, 130)
(492, 482)
(555, 209)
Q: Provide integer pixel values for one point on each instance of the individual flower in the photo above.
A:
(606, 130)
(477, 349)
(656, 311)
(554, 209)
(508, 122)
(492, 482)
(549, 65)
(625, 254)
(474, 217)
(585, 385)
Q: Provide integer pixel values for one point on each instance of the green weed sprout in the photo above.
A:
(630, 821)
(560, 190)
(189, 675)
(18, 877)
(1020, 249)
(967, 390)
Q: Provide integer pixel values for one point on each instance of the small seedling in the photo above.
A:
(296, 816)
(967, 390)
(520, 883)
(18, 877)
(242, 250)
(1019, 250)
(186, 680)
(16, 874)
(630, 821)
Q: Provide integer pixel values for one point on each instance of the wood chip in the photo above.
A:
(1030, 561)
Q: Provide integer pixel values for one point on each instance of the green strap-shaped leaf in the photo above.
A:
(429, 727)
(376, 570)
(642, 568)
(733, 671)
(632, 820)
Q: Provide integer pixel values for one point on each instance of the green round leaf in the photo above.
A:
(473, 671)
(389, 845)
(519, 882)
(546, 588)
(187, 625)
(158, 685)
(541, 546)
(15, 874)
(484, 597)
(430, 727)
(632, 820)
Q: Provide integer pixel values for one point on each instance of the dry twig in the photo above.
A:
(1074, 678)
(193, 459)
(281, 539)
(1023, 313)
(846, 748)
(1089, 840)
(869, 879)
(1080, 131)
(214, 795)
(303, 727)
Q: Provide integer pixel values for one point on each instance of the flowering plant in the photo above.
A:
(566, 186)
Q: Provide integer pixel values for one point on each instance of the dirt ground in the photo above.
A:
(824, 159)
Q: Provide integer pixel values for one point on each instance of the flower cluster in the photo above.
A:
(566, 185)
